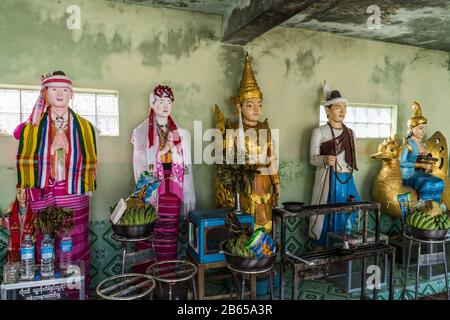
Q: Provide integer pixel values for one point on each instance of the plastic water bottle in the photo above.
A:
(65, 256)
(27, 259)
(47, 257)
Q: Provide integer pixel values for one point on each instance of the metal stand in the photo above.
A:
(173, 272)
(140, 256)
(317, 265)
(425, 260)
(348, 280)
(251, 273)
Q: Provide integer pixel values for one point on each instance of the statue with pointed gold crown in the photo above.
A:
(252, 139)
(413, 166)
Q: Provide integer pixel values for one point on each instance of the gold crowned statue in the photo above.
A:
(412, 166)
(252, 139)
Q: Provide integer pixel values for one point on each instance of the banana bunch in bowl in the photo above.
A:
(237, 247)
(428, 220)
(138, 215)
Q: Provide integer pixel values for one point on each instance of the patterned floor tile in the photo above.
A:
(4, 238)
(113, 267)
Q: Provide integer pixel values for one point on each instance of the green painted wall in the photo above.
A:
(128, 48)
(292, 64)
(132, 48)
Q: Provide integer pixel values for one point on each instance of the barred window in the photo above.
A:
(368, 120)
(100, 107)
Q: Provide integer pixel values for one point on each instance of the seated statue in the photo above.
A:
(416, 163)
(412, 167)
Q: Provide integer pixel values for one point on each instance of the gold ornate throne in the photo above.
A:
(388, 184)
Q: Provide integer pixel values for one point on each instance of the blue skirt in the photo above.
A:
(339, 193)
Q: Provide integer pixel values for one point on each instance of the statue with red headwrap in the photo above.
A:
(163, 149)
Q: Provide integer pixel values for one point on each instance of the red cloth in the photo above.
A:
(151, 128)
(15, 234)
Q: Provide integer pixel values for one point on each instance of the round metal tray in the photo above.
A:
(130, 286)
(172, 271)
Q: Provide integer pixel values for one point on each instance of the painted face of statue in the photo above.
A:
(20, 195)
(419, 131)
(336, 112)
(59, 97)
(251, 109)
(163, 107)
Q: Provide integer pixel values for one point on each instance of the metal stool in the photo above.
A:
(425, 260)
(173, 272)
(250, 273)
(142, 256)
(130, 286)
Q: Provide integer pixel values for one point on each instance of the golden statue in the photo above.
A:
(253, 139)
(412, 166)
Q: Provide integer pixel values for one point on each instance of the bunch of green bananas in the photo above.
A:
(422, 220)
(237, 246)
(442, 222)
(138, 215)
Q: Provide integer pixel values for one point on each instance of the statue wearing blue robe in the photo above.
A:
(427, 186)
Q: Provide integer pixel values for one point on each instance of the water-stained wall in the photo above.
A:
(123, 47)
(364, 71)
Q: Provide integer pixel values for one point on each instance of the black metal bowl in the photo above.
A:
(136, 231)
(293, 206)
(425, 234)
(248, 264)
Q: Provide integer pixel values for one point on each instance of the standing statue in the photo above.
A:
(57, 161)
(254, 141)
(333, 154)
(163, 149)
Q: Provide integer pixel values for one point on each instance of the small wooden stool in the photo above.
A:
(202, 267)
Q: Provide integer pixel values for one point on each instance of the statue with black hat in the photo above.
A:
(332, 152)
